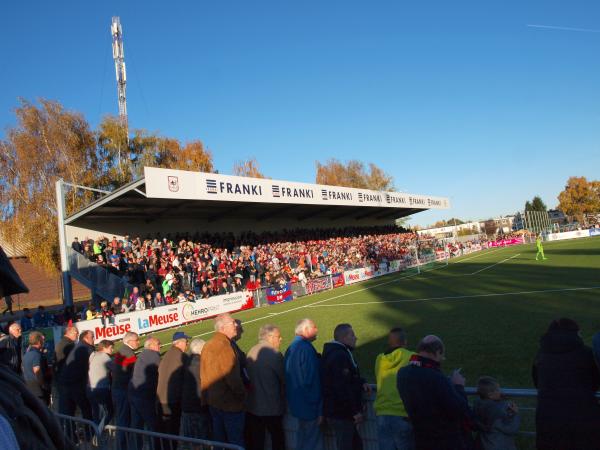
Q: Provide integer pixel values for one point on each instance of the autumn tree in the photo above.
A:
(353, 174)
(536, 204)
(248, 168)
(580, 197)
(47, 143)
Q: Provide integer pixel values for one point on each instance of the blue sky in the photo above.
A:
(459, 99)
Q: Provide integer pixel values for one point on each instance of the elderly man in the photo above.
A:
(72, 385)
(222, 385)
(303, 386)
(436, 405)
(170, 381)
(266, 398)
(121, 371)
(142, 387)
(342, 387)
(393, 427)
(99, 383)
(195, 417)
(10, 348)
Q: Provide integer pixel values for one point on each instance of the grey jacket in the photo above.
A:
(266, 396)
(497, 427)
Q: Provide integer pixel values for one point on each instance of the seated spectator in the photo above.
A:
(140, 304)
(159, 300)
(567, 378)
(91, 313)
(436, 405)
(27, 320)
(497, 420)
(106, 314)
(117, 306)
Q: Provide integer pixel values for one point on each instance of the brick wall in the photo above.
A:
(44, 288)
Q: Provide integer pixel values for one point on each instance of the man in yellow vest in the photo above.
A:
(393, 428)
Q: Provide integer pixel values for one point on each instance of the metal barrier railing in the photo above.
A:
(137, 439)
(82, 432)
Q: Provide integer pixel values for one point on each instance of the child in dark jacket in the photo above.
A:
(497, 420)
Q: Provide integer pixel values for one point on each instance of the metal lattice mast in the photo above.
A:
(119, 57)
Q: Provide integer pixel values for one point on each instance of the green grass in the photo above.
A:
(484, 333)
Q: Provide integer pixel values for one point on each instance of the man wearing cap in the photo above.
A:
(170, 381)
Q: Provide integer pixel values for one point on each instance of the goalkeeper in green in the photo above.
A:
(540, 249)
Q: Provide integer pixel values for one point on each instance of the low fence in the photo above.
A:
(87, 436)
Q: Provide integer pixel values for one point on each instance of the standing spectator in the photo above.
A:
(41, 319)
(63, 348)
(303, 386)
(170, 380)
(239, 353)
(266, 396)
(106, 314)
(142, 388)
(140, 303)
(498, 420)
(27, 320)
(10, 346)
(99, 383)
(122, 370)
(35, 368)
(567, 378)
(76, 245)
(435, 404)
(393, 427)
(9, 305)
(222, 385)
(342, 387)
(72, 385)
(195, 416)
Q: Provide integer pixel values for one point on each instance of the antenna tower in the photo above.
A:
(119, 56)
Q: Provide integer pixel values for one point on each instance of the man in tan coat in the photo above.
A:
(222, 386)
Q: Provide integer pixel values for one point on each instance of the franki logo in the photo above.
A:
(222, 187)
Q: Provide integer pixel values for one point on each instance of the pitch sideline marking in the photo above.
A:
(458, 297)
(499, 262)
(483, 253)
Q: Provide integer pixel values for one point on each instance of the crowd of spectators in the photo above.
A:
(213, 390)
(189, 267)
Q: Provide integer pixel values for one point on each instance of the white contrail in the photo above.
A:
(552, 27)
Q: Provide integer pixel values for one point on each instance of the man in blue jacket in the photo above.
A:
(342, 388)
(303, 386)
(436, 405)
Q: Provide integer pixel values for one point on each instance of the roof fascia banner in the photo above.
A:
(181, 184)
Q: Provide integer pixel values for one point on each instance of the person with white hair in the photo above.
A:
(266, 397)
(142, 387)
(303, 386)
(10, 348)
(222, 384)
(195, 416)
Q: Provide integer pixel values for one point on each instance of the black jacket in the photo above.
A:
(564, 371)
(63, 348)
(122, 367)
(436, 407)
(190, 391)
(77, 364)
(342, 383)
(10, 353)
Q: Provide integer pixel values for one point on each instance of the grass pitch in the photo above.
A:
(490, 308)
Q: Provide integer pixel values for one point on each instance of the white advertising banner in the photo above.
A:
(150, 320)
(568, 235)
(181, 184)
